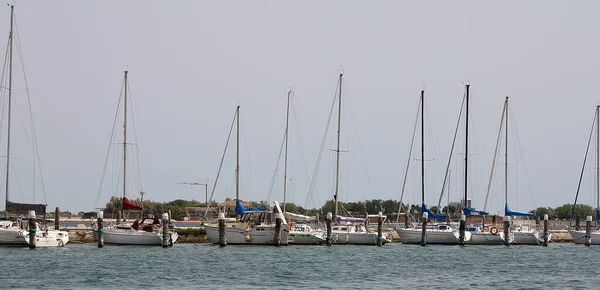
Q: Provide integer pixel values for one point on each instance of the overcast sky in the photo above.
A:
(192, 62)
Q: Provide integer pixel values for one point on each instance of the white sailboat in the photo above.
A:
(143, 231)
(480, 234)
(14, 229)
(442, 234)
(349, 230)
(523, 234)
(578, 234)
(256, 226)
(301, 232)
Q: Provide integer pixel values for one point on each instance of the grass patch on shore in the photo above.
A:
(191, 232)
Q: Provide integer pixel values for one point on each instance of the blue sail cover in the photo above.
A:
(508, 212)
(240, 208)
(432, 215)
(469, 211)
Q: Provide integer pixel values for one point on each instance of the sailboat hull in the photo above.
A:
(44, 239)
(51, 239)
(258, 235)
(413, 236)
(579, 237)
(486, 238)
(356, 238)
(299, 238)
(13, 236)
(529, 238)
(133, 237)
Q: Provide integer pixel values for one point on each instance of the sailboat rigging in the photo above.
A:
(12, 229)
(437, 233)
(143, 230)
(580, 235)
(252, 226)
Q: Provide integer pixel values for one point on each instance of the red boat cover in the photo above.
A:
(128, 205)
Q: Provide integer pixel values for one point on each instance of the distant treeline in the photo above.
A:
(360, 208)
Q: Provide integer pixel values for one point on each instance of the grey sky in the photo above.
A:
(192, 62)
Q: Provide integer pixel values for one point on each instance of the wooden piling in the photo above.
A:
(277, 234)
(32, 228)
(222, 236)
(100, 228)
(577, 223)
(545, 243)
(379, 229)
(169, 217)
(165, 230)
(424, 229)
(119, 216)
(494, 220)
(57, 218)
(328, 219)
(588, 230)
(406, 220)
(506, 230)
(461, 229)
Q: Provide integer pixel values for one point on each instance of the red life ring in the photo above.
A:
(494, 231)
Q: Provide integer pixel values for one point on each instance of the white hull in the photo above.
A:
(579, 237)
(18, 237)
(529, 238)
(413, 236)
(133, 237)
(51, 238)
(300, 238)
(13, 236)
(356, 238)
(258, 235)
(486, 238)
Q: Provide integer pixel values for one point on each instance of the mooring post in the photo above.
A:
(406, 220)
(588, 230)
(545, 243)
(506, 230)
(494, 221)
(119, 216)
(328, 219)
(424, 229)
(100, 230)
(277, 234)
(57, 218)
(32, 228)
(169, 217)
(222, 236)
(461, 229)
(379, 229)
(165, 230)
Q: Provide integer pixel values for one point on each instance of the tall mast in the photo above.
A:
(287, 120)
(506, 154)
(337, 167)
(237, 156)
(466, 145)
(422, 146)
(10, 65)
(597, 158)
(125, 139)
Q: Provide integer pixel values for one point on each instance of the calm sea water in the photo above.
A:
(393, 266)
